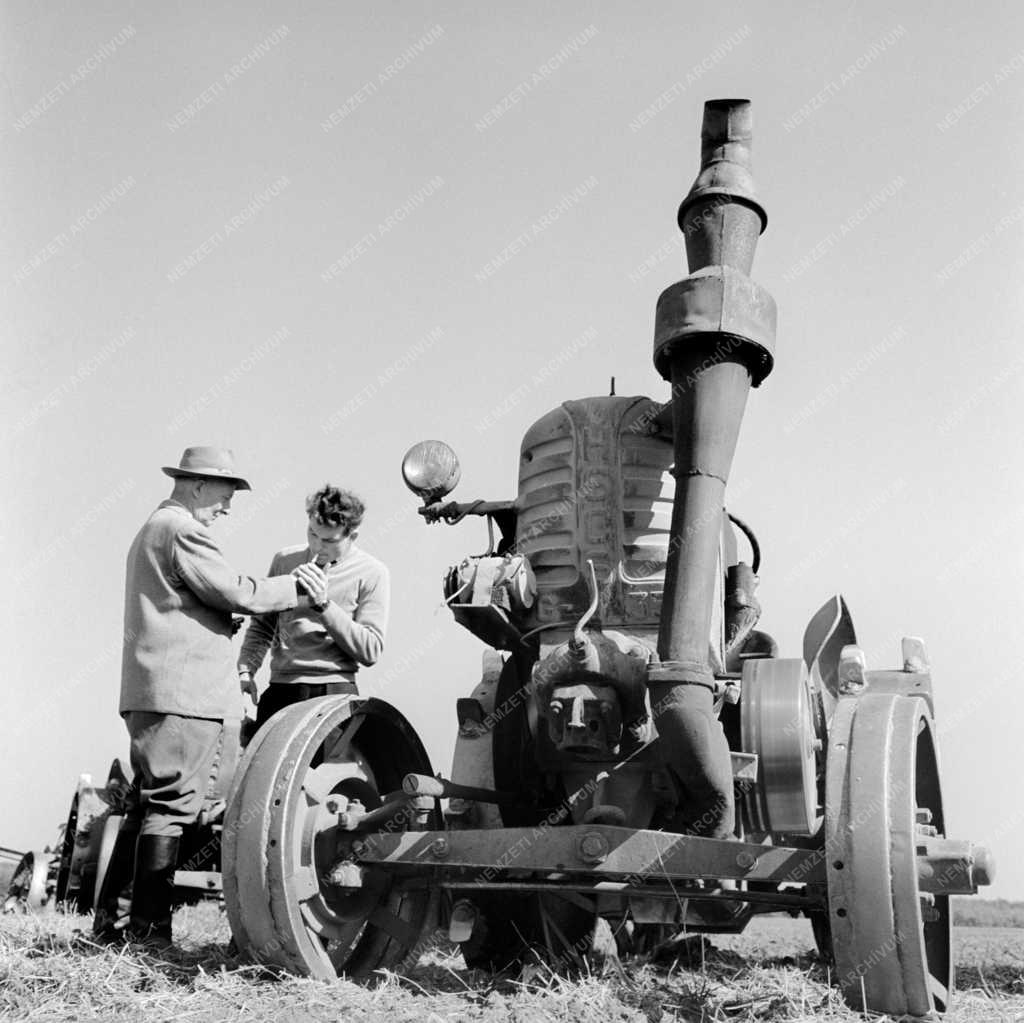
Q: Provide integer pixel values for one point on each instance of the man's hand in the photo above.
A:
(313, 580)
(248, 685)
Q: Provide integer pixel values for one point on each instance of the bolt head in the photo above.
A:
(346, 875)
(592, 847)
(746, 860)
(439, 849)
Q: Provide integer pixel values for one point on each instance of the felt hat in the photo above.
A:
(208, 463)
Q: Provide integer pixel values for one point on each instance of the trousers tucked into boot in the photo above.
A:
(153, 891)
(114, 902)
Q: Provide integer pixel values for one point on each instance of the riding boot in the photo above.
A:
(153, 892)
(114, 903)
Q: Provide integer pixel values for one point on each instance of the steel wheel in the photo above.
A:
(80, 846)
(229, 836)
(29, 887)
(280, 841)
(892, 944)
(822, 935)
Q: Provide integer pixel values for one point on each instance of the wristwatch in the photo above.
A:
(319, 606)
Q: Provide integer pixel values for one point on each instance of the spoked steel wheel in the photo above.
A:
(891, 941)
(281, 841)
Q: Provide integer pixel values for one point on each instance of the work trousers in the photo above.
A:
(279, 695)
(174, 759)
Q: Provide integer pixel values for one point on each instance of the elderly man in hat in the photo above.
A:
(178, 681)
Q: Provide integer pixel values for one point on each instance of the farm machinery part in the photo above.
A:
(198, 872)
(9, 862)
(88, 837)
(635, 749)
(71, 875)
(30, 885)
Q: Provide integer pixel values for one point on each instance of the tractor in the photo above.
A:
(636, 749)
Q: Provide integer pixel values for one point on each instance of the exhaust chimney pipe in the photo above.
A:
(713, 339)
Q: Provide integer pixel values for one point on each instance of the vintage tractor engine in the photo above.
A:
(572, 595)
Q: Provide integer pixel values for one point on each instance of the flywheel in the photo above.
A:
(778, 723)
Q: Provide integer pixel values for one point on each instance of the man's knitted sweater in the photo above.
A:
(309, 644)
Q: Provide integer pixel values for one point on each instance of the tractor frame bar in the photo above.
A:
(595, 852)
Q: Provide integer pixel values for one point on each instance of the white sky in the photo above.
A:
(882, 458)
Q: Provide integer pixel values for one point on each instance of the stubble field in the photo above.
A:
(770, 972)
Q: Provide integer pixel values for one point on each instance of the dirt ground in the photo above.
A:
(768, 973)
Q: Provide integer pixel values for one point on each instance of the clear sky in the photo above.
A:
(284, 228)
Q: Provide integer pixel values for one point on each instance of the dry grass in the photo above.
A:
(48, 973)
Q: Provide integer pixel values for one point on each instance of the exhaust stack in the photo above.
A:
(713, 339)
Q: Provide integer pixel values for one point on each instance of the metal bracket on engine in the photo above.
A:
(473, 763)
(487, 593)
(913, 679)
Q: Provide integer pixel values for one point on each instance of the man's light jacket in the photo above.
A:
(179, 597)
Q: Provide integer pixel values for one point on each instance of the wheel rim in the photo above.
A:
(80, 846)
(235, 813)
(281, 839)
(893, 950)
(108, 839)
(67, 852)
